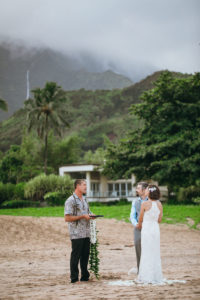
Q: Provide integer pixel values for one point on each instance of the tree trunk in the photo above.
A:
(46, 145)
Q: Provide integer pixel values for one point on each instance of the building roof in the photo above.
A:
(78, 168)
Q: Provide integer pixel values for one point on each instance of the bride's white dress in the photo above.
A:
(150, 270)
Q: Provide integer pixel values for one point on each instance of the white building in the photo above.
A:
(99, 187)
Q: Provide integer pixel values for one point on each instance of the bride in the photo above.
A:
(150, 270)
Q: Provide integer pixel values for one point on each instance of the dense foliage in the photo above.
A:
(161, 135)
(57, 198)
(53, 189)
(7, 192)
(167, 147)
(37, 187)
(21, 163)
(44, 112)
(11, 165)
(91, 115)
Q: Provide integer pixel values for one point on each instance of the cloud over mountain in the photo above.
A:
(130, 37)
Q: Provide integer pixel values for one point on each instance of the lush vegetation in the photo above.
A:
(91, 115)
(45, 112)
(167, 147)
(38, 187)
(48, 190)
(172, 213)
(160, 130)
(24, 162)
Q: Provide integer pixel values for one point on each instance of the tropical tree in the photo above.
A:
(63, 151)
(3, 105)
(97, 157)
(167, 147)
(11, 165)
(46, 111)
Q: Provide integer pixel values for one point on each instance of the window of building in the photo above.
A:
(119, 189)
(95, 189)
(123, 189)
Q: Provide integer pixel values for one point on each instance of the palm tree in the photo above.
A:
(45, 112)
(3, 105)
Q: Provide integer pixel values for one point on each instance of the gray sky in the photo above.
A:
(133, 37)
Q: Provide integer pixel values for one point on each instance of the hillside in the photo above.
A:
(92, 114)
(42, 66)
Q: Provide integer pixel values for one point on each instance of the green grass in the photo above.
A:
(172, 213)
(57, 211)
(179, 213)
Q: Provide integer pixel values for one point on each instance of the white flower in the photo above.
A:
(152, 189)
(93, 236)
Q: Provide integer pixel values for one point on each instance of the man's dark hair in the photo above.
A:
(78, 181)
(143, 184)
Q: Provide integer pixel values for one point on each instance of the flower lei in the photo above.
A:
(94, 253)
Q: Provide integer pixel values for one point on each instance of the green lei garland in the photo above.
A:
(94, 258)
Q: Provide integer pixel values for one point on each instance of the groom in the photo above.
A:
(134, 216)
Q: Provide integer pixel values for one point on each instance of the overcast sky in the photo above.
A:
(133, 37)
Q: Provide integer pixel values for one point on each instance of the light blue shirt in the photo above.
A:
(133, 215)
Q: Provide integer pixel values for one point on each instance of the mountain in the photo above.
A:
(91, 114)
(20, 67)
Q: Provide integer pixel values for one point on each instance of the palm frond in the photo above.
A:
(64, 121)
(47, 103)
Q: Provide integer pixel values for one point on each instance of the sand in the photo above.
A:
(34, 261)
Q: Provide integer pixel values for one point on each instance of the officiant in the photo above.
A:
(78, 215)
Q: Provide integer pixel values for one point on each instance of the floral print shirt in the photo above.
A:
(77, 207)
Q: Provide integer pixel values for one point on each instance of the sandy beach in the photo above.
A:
(34, 261)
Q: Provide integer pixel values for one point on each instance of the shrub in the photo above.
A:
(19, 191)
(122, 201)
(186, 195)
(37, 187)
(56, 198)
(19, 204)
(6, 192)
(196, 200)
